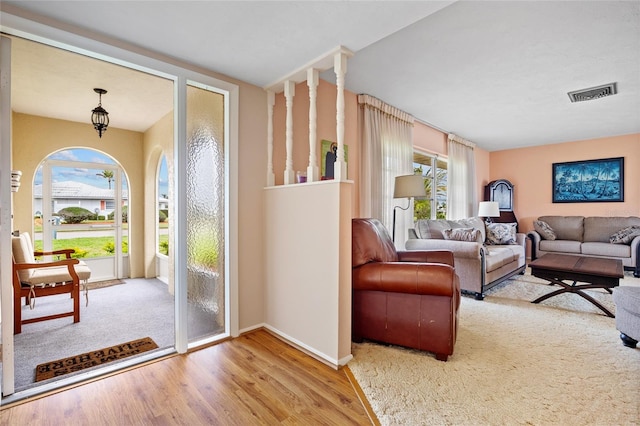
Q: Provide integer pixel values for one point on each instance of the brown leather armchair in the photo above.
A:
(405, 298)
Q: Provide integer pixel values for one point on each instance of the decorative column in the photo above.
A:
(289, 93)
(312, 168)
(271, 100)
(340, 68)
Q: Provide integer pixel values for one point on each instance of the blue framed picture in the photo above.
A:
(589, 181)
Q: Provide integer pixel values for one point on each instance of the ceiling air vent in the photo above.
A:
(593, 93)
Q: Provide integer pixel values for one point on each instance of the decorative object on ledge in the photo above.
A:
(329, 154)
(489, 209)
(15, 180)
(99, 116)
(409, 186)
(589, 181)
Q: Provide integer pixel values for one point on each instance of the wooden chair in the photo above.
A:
(32, 280)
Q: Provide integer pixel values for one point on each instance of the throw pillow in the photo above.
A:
(463, 234)
(625, 235)
(501, 233)
(545, 231)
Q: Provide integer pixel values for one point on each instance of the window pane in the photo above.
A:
(434, 170)
(205, 212)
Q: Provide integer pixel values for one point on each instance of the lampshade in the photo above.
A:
(409, 186)
(489, 209)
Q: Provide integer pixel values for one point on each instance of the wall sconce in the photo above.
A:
(99, 116)
(489, 209)
(15, 180)
(408, 186)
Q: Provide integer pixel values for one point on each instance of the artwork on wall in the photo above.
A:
(589, 181)
(329, 152)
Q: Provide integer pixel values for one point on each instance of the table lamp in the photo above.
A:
(488, 209)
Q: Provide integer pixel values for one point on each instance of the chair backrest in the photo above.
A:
(22, 250)
(371, 243)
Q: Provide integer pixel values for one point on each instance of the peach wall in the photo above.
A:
(529, 169)
(35, 138)
(426, 138)
(326, 129)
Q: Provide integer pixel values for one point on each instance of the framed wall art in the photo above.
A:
(589, 181)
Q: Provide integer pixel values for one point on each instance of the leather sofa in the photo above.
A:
(587, 236)
(479, 265)
(405, 298)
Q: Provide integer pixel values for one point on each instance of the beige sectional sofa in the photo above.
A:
(480, 264)
(611, 237)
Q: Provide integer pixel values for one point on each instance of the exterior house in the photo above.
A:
(77, 194)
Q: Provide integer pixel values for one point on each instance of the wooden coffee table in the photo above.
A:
(590, 272)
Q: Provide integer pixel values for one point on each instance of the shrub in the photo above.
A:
(164, 247)
(79, 253)
(162, 216)
(125, 214)
(75, 214)
(110, 247)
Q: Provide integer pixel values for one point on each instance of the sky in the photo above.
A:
(90, 176)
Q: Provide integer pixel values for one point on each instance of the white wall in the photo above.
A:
(308, 267)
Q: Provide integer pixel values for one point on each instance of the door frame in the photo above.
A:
(48, 228)
(39, 32)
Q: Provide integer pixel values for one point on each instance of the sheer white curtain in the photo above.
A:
(387, 151)
(461, 178)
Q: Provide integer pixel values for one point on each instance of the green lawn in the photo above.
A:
(91, 246)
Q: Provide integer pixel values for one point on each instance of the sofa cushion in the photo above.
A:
(501, 233)
(561, 246)
(601, 228)
(566, 227)
(498, 256)
(432, 228)
(606, 249)
(543, 228)
(463, 234)
(625, 235)
(475, 223)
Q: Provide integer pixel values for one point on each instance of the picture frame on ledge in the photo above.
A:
(588, 181)
(328, 154)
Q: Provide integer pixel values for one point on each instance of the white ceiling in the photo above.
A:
(494, 72)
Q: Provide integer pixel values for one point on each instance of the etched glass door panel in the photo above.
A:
(205, 213)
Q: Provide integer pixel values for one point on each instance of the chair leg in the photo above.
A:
(17, 315)
(75, 294)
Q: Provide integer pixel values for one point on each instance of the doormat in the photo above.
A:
(91, 359)
(103, 284)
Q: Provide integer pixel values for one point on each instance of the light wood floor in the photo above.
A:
(253, 379)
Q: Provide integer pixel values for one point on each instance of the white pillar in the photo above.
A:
(340, 68)
(271, 100)
(312, 168)
(289, 93)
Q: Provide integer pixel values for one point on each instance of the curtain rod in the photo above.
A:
(426, 123)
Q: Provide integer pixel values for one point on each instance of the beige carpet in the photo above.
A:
(514, 363)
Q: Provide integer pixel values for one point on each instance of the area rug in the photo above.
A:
(91, 359)
(514, 363)
(527, 288)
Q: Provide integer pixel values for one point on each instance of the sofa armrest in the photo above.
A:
(535, 243)
(460, 249)
(413, 278)
(427, 256)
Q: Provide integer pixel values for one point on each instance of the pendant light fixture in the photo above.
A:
(99, 116)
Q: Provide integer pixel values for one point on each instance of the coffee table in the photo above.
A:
(585, 272)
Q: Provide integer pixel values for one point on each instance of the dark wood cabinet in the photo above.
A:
(501, 190)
